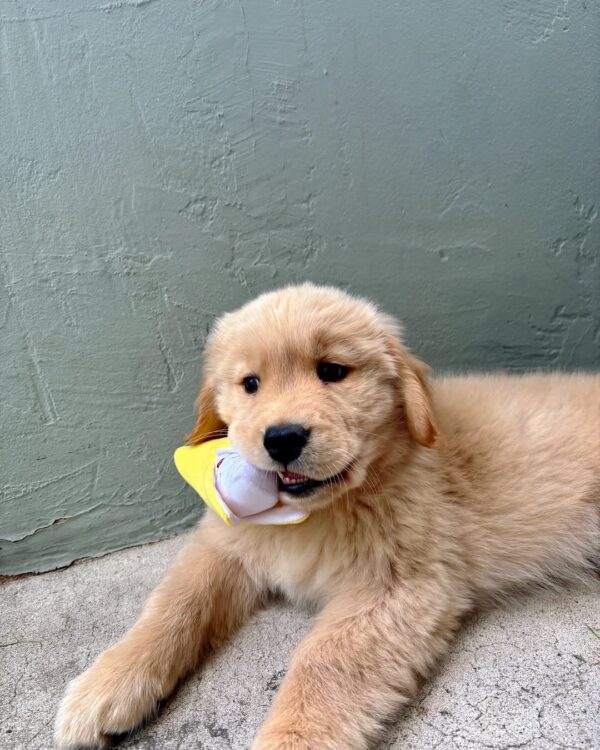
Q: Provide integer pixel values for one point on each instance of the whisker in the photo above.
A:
(373, 482)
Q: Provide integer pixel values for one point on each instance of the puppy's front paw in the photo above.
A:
(112, 697)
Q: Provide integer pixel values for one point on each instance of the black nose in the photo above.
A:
(284, 442)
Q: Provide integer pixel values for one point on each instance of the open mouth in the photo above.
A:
(299, 484)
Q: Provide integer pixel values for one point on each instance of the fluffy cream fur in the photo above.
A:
(454, 490)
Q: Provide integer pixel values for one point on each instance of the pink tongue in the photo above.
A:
(293, 477)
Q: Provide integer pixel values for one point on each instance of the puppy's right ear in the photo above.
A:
(209, 424)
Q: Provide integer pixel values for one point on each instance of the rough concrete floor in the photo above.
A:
(521, 676)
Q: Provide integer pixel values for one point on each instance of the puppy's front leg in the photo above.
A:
(359, 665)
(203, 597)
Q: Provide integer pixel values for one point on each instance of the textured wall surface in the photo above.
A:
(164, 160)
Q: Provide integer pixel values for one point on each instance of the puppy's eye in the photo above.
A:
(331, 372)
(251, 383)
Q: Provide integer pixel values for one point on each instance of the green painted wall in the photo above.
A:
(164, 160)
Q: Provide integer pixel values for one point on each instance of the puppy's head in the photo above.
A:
(315, 385)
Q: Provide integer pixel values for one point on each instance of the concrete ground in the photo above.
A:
(526, 675)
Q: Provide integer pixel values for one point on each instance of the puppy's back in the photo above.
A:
(520, 456)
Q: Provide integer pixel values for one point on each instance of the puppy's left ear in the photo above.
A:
(209, 424)
(416, 394)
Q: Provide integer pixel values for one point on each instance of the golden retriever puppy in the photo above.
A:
(425, 497)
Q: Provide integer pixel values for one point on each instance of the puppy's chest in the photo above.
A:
(310, 564)
(309, 577)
